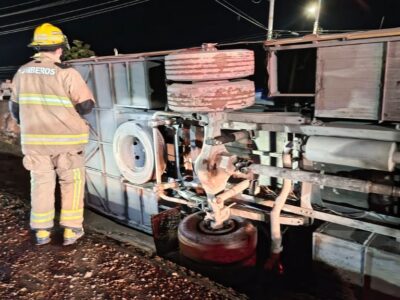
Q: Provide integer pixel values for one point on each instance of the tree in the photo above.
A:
(79, 49)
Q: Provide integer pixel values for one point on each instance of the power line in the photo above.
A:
(242, 12)
(236, 11)
(15, 5)
(40, 7)
(59, 14)
(72, 18)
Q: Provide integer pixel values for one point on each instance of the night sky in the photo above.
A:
(170, 24)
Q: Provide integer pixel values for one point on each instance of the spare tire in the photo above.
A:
(236, 245)
(211, 96)
(133, 152)
(209, 65)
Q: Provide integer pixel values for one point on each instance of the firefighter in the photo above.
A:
(48, 100)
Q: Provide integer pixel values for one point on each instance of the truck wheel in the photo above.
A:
(133, 152)
(211, 96)
(209, 65)
(236, 243)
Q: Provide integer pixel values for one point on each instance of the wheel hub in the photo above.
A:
(228, 227)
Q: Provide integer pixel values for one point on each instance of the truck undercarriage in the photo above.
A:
(321, 145)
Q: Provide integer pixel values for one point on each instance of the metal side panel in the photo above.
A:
(348, 81)
(140, 85)
(93, 155)
(87, 74)
(150, 205)
(135, 209)
(383, 262)
(96, 192)
(102, 86)
(91, 119)
(107, 125)
(142, 204)
(121, 201)
(362, 255)
(331, 237)
(391, 92)
(122, 83)
(111, 165)
(116, 197)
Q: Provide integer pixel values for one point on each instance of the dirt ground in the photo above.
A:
(101, 268)
(95, 268)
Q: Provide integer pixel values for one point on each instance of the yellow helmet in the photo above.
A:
(48, 36)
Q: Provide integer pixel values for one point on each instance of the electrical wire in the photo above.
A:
(77, 17)
(236, 11)
(241, 12)
(282, 33)
(63, 13)
(40, 7)
(20, 4)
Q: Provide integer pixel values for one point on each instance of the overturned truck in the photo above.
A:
(187, 129)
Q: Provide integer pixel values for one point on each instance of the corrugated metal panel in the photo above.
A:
(391, 94)
(348, 81)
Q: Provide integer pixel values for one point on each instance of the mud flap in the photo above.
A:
(165, 230)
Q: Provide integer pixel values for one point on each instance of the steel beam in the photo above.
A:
(344, 183)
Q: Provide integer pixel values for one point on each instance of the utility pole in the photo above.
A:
(317, 13)
(271, 19)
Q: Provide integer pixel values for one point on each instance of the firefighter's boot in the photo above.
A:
(71, 235)
(42, 236)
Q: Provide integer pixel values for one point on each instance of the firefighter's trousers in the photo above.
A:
(44, 169)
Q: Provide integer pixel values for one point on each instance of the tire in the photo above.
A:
(236, 246)
(211, 96)
(133, 152)
(209, 65)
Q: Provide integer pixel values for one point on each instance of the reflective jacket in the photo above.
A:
(47, 92)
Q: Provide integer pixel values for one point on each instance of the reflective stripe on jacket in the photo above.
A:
(47, 93)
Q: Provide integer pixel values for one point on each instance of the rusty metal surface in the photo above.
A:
(391, 92)
(341, 36)
(211, 96)
(125, 57)
(209, 65)
(212, 178)
(348, 81)
(165, 230)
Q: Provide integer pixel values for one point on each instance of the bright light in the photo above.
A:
(311, 10)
